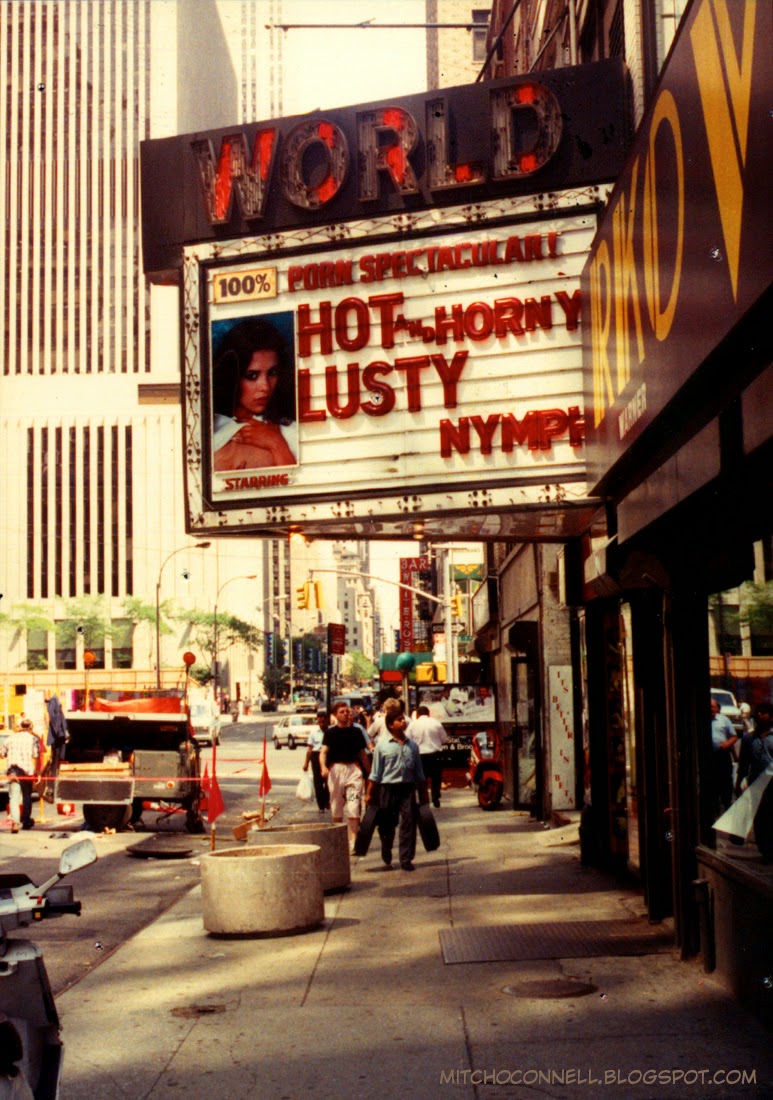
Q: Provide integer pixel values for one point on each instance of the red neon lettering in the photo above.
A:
(321, 328)
(450, 373)
(485, 429)
(307, 415)
(385, 304)
(571, 307)
(236, 173)
(538, 313)
(483, 329)
(519, 431)
(412, 365)
(343, 412)
(508, 313)
(454, 437)
(362, 320)
(552, 423)
(454, 323)
(370, 380)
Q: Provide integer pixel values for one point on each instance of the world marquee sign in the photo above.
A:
(392, 337)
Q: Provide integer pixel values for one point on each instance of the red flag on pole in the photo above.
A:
(215, 804)
(265, 782)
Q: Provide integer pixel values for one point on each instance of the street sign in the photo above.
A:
(336, 638)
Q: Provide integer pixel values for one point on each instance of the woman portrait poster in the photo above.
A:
(253, 393)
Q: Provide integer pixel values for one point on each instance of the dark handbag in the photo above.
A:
(428, 830)
(15, 771)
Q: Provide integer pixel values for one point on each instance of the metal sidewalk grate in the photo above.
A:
(561, 940)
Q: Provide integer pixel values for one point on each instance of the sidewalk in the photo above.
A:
(366, 1005)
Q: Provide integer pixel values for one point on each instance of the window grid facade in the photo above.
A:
(73, 110)
(88, 485)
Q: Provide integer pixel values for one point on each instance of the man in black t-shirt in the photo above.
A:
(343, 761)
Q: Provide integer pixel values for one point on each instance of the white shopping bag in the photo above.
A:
(305, 788)
(738, 820)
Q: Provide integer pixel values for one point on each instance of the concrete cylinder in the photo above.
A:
(272, 889)
(332, 839)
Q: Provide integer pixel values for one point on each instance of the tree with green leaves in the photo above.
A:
(757, 608)
(23, 618)
(357, 668)
(140, 612)
(231, 630)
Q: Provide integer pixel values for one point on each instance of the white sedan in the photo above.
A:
(293, 730)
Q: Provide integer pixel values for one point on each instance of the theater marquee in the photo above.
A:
(430, 372)
(381, 308)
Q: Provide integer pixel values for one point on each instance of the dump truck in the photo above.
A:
(129, 753)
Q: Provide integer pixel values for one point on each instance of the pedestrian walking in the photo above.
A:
(343, 761)
(430, 735)
(313, 750)
(22, 752)
(723, 737)
(395, 776)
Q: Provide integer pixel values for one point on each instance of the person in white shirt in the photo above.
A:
(430, 735)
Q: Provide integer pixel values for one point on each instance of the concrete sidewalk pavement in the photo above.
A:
(366, 1006)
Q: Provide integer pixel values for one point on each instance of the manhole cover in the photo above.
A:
(550, 989)
(160, 848)
(190, 1012)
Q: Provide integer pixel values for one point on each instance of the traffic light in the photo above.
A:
(456, 606)
(318, 594)
(302, 596)
(269, 643)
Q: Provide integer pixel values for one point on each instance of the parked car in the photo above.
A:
(205, 721)
(293, 730)
(729, 707)
(306, 704)
(269, 706)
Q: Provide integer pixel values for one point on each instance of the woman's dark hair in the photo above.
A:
(234, 355)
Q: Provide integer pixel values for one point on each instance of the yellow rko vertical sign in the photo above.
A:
(683, 249)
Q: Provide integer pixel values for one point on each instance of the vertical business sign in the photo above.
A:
(409, 570)
(685, 248)
(336, 639)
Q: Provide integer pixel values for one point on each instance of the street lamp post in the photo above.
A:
(216, 676)
(179, 550)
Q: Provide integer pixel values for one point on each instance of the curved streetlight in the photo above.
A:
(251, 577)
(179, 550)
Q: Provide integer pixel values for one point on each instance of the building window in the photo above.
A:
(123, 636)
(37, 650)
(65, 644)
(480, 33)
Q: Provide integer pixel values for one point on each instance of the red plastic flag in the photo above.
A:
(215, 804)
(265, 782)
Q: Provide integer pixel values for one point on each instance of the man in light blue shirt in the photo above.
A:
(395, 775)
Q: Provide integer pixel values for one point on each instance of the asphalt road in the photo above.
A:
(122, 893)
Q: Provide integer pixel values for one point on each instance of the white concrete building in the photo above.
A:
(90, 431)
